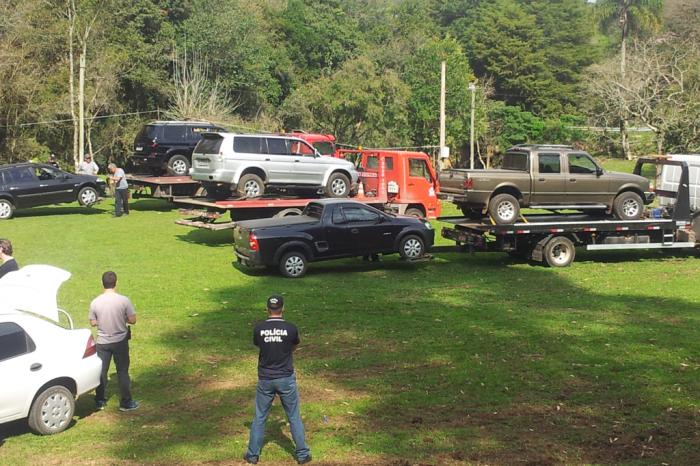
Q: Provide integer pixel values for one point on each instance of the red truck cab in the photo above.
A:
(323, 143)
(411, 181)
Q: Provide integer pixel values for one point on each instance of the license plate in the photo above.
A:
(139, 148)
(201, 164)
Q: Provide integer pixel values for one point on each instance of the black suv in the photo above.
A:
(166, 146)
(30, 185)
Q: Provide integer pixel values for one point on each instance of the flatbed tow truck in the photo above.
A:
(393, 181)
(553, 238)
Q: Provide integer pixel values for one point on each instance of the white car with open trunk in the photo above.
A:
(44, 367)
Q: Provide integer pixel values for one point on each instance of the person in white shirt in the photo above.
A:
(88, 166)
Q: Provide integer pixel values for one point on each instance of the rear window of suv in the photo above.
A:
(148, 132)
(514, 161)
(209, 145)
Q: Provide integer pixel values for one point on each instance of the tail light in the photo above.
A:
(90, 348)
(153, 145)
(253, 242)
(468, 183)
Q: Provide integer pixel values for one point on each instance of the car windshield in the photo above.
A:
(514, 161)
(313, 210)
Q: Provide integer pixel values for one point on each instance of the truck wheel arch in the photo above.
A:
(628, 188)
(507, 189)
(292, 246)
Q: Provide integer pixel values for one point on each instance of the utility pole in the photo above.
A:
(442, 109)
(81, 108)
(472, 88)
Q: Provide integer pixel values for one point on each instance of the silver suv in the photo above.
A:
(248, 164)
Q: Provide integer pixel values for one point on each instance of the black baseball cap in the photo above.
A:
(275, 302)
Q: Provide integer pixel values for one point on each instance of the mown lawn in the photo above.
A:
(461, 360)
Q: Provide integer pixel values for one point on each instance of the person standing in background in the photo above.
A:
(121, 190)
(9, 264)
(88, 166)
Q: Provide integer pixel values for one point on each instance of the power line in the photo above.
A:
(101, 117)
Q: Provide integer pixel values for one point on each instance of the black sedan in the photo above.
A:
(31, 184)
(329, 229)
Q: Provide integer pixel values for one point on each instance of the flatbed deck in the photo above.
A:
(163, 187)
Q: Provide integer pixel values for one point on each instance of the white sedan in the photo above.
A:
(44, 367)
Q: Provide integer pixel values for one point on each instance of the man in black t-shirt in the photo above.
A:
(277, 340)
(7, 262)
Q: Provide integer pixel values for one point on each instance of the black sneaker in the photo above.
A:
(130, 406)
(100, 405)
(304, 460)
(250, 459)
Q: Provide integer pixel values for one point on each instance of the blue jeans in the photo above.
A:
(286, 388)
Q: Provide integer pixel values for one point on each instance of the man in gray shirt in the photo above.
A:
(110, 312)
(121, 190)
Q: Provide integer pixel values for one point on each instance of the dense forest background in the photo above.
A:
(367, 71)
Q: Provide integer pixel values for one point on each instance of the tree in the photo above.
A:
(422, 74)
(505, 42)
(655, 88)
(359, 104)
(631, 16)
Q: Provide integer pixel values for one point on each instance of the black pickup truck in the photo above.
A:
(329, 229)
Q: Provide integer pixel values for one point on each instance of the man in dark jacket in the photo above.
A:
(277, 340)
(9, 264)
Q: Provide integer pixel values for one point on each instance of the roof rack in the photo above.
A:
(544, 146)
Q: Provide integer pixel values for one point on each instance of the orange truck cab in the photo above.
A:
(411, 181)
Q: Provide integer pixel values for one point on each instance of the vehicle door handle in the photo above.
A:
(540, 179)
(43, 185)
(572, 179)
(297, 160)
(267, 160)
(35, 367)
(354, 231)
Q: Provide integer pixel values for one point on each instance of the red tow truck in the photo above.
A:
(394, 181)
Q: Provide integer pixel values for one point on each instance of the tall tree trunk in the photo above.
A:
(71, 76)
(660, 138)
(81, 107)
(624, 136)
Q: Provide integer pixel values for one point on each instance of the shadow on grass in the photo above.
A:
(151, 205)
(57, 211)
(207, 237)
(453, 361)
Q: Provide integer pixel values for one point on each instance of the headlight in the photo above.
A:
(428, 225)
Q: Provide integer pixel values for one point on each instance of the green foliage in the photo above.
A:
(241, 50)
(422, 73)
(512, 125)
(319, 36)
(358, 103)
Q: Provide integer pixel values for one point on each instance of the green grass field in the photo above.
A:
(460, 360)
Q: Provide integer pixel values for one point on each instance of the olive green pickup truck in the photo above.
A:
(549, 177)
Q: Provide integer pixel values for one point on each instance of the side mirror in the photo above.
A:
(598, 171)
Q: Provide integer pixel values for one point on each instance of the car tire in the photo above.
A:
(338, 185)
(293, 264)
(559, 252)
(411, 247)
(7, 209)
(414, 212)
(87, 196)
(250, 185)
(504, 209)
(52, 411)
(628, 206)
(178, 165)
